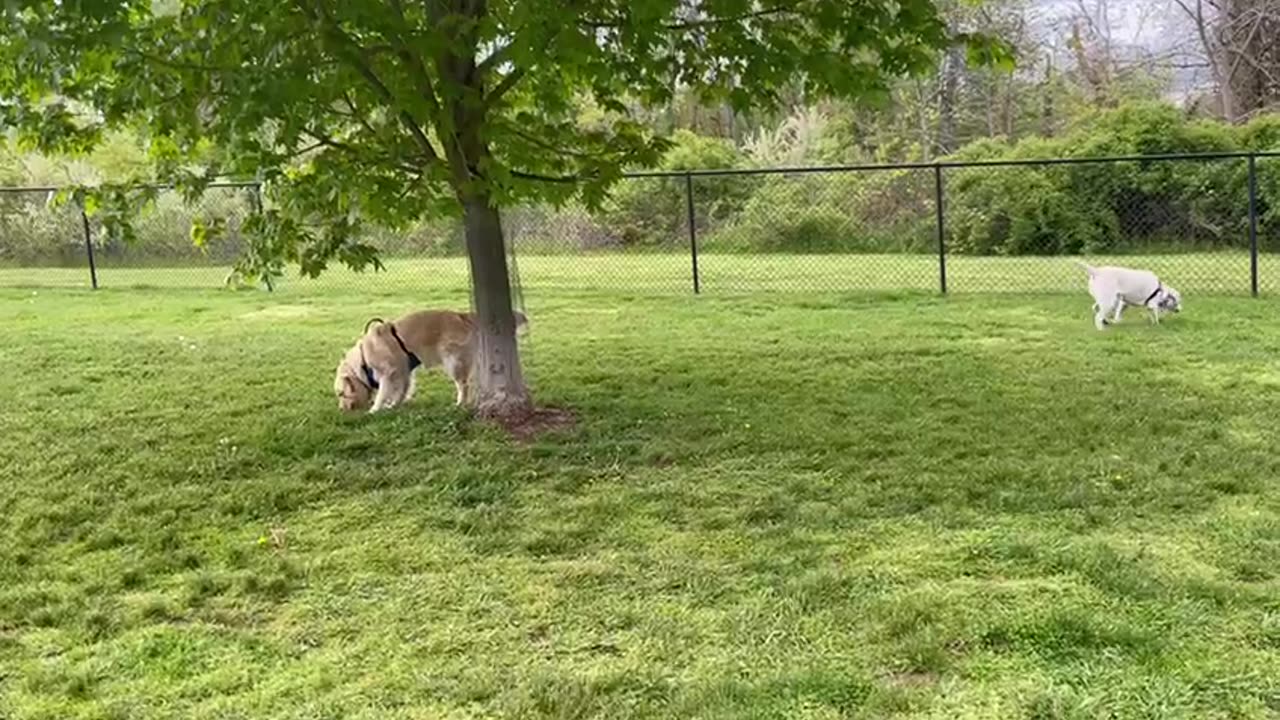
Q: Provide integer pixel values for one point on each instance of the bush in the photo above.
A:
(881, 211)
(1021, 211)
(653, 211)
(33, 234)
(1109, 206)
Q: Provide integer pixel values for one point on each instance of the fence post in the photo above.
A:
(942, 228)
(693, 231)
(1253, 225)
(88, 247)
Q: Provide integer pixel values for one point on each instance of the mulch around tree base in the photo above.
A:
(528, 426)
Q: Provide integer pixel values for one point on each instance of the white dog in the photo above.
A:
(1114, 287)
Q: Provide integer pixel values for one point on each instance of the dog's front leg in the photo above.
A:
(402, 390)
(1100, 317)
(390, 389)
(379, 398)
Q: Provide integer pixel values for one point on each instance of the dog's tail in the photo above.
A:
(1086, 267)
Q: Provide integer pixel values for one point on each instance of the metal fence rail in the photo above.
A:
(1210, 223)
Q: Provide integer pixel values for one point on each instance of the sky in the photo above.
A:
(1157, 27)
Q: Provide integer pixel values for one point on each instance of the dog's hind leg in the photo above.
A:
(468, 377)
(1119, 308)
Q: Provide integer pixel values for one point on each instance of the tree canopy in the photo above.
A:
(388, 110)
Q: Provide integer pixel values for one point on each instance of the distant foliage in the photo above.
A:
(1039, 210)
(1115, 207)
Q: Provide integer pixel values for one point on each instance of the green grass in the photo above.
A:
(1216, 273)
(841, 506)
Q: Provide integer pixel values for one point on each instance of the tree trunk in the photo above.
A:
(1046, 107)
(923, 136)
(989, 88)
(952, 66)
(498, 383)
(1213, 53)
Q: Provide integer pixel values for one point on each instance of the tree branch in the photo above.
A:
(360, 117)
(561, 179)
(360, 61)
(306, 149)
(323, 140)
(496, 58)
(1241, 53)
(505, 86)
(696, 24)
(425, 87)
(174, 65)
(538, 142)
(206, 68)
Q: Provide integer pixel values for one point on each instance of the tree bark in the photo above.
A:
(1212, 52)
(1046, 107)
(952, 66)
(498, 389)
(925, 138)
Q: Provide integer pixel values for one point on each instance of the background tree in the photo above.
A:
(1238, 43)
(388, 110)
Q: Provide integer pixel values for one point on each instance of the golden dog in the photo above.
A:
(377, 372)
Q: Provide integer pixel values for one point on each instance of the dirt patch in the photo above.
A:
(529, 426)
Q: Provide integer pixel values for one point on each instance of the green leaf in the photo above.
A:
(199, 233)
(987, 51)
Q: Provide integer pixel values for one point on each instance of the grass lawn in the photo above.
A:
(854, 506)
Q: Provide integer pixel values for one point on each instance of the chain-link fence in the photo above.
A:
(1206, 223)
